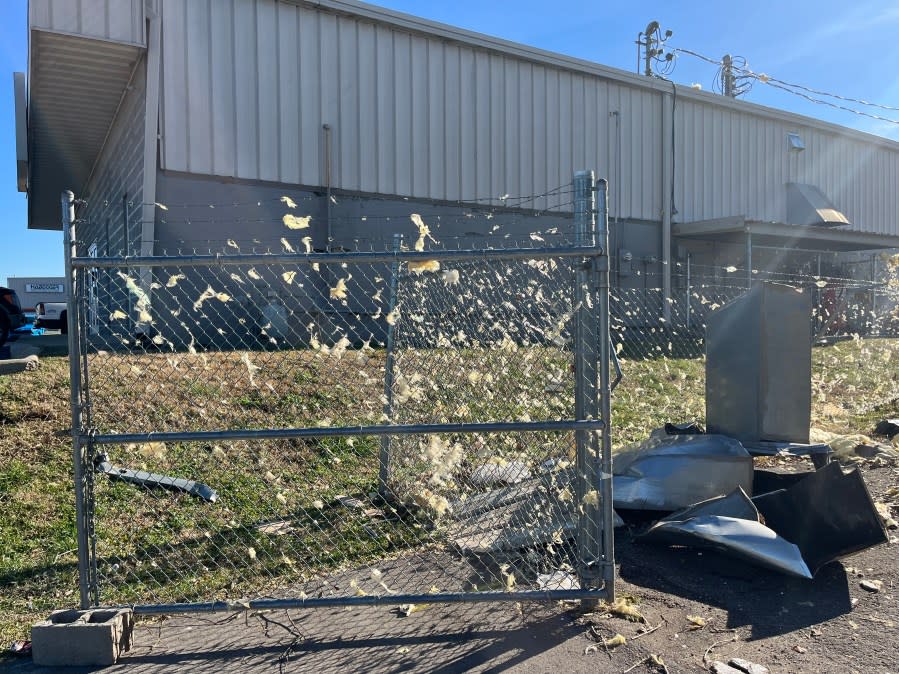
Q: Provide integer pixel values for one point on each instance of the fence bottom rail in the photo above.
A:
(368, 600)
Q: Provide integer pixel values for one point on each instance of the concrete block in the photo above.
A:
(19, 365)
(80, 638)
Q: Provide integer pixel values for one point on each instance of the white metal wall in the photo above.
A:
(730, 162)
(248, 85)
(116, 20)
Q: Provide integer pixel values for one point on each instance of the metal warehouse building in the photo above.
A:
(215, 110)
(34, 289)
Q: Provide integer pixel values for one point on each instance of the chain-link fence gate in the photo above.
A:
(403, 426)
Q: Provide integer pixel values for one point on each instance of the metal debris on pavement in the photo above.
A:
(669, 472)
(759, 366)
(829, 514)
(824, 516)
(730, 524)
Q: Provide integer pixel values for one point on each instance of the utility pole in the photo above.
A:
(649, 48)
(728, 83)
(649, 45)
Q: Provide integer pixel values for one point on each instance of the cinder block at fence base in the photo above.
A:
(79, 638)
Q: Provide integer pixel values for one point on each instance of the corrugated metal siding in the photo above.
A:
(732, 163)
(247, 86)
(116, 187)
(115, 20)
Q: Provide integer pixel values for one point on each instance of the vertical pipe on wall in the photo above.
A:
(126, 225)
(873, 317)
(748, 259)
(614, 235)
(326, 130)
(819, 315)
(151, 138)
(151, 134)
(667, 201)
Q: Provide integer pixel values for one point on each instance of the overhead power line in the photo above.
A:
(808, 93)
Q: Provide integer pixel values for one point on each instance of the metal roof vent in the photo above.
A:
(807, 205)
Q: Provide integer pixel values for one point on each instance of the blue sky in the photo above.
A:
(838, 47)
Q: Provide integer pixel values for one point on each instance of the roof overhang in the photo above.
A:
(807, 205)
(734, 230)
(75, 87)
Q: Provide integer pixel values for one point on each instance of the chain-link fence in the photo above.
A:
(661, 343)
(396, 420)
(405, 425)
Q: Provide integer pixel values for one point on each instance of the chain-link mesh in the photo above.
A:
(663, 353)
(194, 348)
(254, 343)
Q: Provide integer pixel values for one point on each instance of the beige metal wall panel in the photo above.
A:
(738, 163)
(248, 86)
(114, 20)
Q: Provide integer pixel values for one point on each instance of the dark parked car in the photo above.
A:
(11, 315)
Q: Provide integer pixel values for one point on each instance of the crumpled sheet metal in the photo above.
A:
(670, 472)
(829, 514)
(730, 524)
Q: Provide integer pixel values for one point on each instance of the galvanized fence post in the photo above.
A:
(586, 398)
(389, 367)
(688, 301)
(78, 462)
(605, 391)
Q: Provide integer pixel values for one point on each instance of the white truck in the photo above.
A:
(51, 315)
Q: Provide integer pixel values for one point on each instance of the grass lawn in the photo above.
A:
(279, 523)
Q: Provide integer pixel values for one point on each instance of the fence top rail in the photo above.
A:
(335, 257)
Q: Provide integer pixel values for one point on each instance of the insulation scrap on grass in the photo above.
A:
(624, 608)
(615, 641)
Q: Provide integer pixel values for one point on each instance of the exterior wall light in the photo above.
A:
(794, 140)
